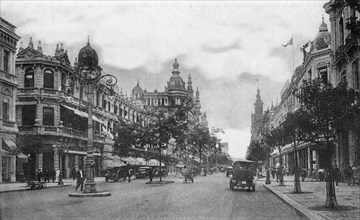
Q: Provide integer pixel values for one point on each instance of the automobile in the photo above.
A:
(142, 172)
(243, 173)
(115, 173)
(228, 171)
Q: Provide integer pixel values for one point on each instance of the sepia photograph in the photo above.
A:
(180, 110)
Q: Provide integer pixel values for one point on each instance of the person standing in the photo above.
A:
(73, 173)
(40, 175)
(151, 174)
(129, 174)
(47, 176)
(80, 179)
(348, 173)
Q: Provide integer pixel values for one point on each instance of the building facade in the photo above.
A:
(317, 63)
(345, 34)
(10, 156)
(51, 111)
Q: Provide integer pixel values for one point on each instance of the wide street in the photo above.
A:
(207, 198)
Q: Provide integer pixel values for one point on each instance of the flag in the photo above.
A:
(288, 43)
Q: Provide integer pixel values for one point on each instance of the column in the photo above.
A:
(309, 161)
(56, 158)
(13, 168)
(1, 159)
(67, 168)
(76, 163)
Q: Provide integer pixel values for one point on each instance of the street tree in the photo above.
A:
(295, 126)
(276, 138)
(328, 109)
(257, 152)
(200, 139)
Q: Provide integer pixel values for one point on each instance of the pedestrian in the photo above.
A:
(151, 174)
(129, 174)
(80, 176)
(73, 173)
(348, 172)
(273, 172)
(303, 174)
(54, 176)
(336, 175)
(47, 176)
(40, 175)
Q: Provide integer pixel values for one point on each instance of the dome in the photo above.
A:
(323, 38)
(176, 82)
(88, 57)
(137, 89)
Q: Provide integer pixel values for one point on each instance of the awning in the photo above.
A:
(4, 152)
(84, 114)
(81, 152)
(13, 149)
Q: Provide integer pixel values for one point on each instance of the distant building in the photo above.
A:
(10, 156)
(257, 118)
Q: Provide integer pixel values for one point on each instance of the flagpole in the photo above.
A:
(292, 37)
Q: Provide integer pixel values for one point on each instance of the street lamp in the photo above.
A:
(89, 74)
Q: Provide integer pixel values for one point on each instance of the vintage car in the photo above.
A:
(243, 172)
(115, 173)
(142, 172)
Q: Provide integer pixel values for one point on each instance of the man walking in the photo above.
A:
(80, 179)
(129, 174)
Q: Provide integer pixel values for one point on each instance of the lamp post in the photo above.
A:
(89, 74)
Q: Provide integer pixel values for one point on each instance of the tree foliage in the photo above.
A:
(257, 151)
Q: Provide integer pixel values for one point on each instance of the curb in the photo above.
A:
(28, 189)
(303, 212)
(160, 183)
(82, 195)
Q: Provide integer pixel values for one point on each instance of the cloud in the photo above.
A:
(224, 45)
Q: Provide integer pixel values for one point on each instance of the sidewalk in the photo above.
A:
(314, 194)
(12, 187)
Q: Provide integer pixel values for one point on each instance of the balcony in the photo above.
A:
(339, 55)
(352, 44)
(4, 76)
(58, 131)
(28, 91)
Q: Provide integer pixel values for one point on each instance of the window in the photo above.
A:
(81, 92)
(104, 102)
(28, 114)
(29, 78)
(109, 109)
(48, 116)
(309, 75)
(6, 60)
(356, 73)
(48, 79)
(97, 98)
(115, 109)
(63, 76)
(323, 74)
(6, 110)
(120, 112)
(341, 28)
(343, 77)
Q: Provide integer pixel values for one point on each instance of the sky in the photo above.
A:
(230, 48)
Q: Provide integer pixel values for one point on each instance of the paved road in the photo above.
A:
(207, 198)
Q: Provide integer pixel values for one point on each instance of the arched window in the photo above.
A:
(81, 92)
(29, 78)
(63, 75)
(48, 79)
(341, 30)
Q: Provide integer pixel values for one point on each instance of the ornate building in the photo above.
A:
(316, 64)
(175, 96)
(345, 35)
(10, 157)
(52, 118)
